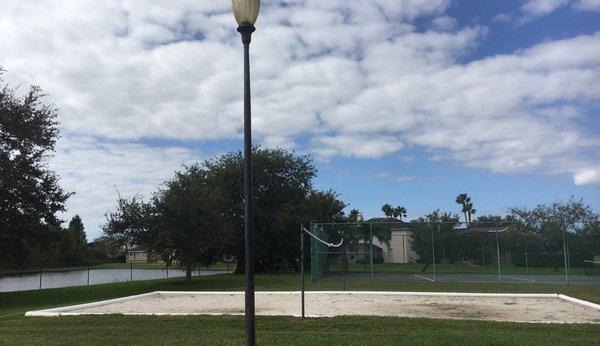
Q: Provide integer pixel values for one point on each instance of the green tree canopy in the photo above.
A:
(75, 242)
(198, 216)
(551, 224)
(31, 196)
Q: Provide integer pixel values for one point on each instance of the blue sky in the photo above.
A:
(408, 102)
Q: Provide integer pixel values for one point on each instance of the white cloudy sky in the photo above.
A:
(146, 86)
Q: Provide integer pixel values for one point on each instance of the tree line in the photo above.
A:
(197, 217)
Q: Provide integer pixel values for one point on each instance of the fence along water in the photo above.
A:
(23, 277)
(498, 252)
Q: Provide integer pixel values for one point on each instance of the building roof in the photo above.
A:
(138, 249)
(384, 219)
(475, 229)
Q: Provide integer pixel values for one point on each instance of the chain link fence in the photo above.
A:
(493, 252)
(23, 277)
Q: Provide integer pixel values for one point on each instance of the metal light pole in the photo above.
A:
(246, 13)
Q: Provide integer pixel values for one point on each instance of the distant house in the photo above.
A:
(137, 255)
(398, 249)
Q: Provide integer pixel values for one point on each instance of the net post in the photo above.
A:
(88, 273)
(498, 255)
(302, 267)
(371, 250)
(344, 261)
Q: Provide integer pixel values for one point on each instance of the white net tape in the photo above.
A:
(323, 241)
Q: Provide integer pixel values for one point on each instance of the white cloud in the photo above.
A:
(444, 23)
(334, 78)
(587, 5)
(392, 176)
(533, 9)
(503, 17)
(542, 7)
(95, 170)
(590, 176)
(355, 145)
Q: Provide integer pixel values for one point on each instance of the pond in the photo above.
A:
(84, 277)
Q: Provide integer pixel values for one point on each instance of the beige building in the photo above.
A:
(397, 250)
(137, 256)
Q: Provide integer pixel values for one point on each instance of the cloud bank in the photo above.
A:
(332, 78)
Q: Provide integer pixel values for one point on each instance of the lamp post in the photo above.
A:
(246, 12)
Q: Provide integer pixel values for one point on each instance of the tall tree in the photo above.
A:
(189, 210)
(354, 215)
(132, 223)
(400, 212)
(467, 206)
(107, 248)
(387, 210)
(282, 183)
(76, 241)
(31, 196)
(551, 225)
(422, 227)
(198, 216)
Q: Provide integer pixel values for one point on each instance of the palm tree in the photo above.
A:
(467, 206)
(387, 210)
(400, 212)
(354, 215)
(470, 210)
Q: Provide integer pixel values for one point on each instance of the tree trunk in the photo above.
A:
(425, 268)
(188, 274)
(239, 267)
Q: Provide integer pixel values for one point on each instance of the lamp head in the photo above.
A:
(245, 11)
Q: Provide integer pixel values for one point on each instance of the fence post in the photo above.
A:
(302, 267)
(526, 259)
(483, 252)
(131, 271)
(41, 270)
(432, 249)
(344, 261)
(443, 252)
(167, 266)
(88, 274)
(371, 251)
(498, 255)
(565, 254)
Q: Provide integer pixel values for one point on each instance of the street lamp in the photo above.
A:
(246, 12)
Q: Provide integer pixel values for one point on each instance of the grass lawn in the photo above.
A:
(17, 329)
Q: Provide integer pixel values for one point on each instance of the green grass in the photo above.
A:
(356, 330)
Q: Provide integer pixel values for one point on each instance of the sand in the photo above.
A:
(540, 308)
